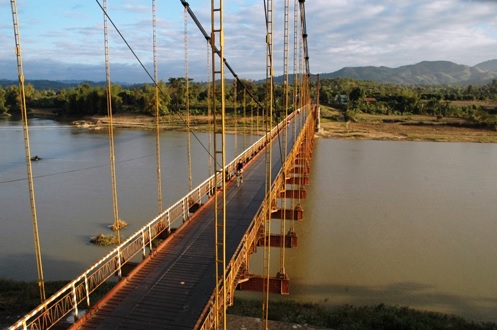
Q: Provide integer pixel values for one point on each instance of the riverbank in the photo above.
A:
(292, 315)
(363, 127)
(17, 298)
(366, 127)
(176, 122)
(404, 128)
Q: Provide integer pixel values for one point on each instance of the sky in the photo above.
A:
(64, 39)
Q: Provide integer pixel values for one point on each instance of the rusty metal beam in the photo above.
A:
(297, 214)
(298, 180)
(258, 283)
(299, 170)
(276, 240)
(296, 194)
(302, 161)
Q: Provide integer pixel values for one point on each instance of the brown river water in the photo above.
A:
(402, 223)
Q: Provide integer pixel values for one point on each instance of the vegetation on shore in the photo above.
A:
(473, 106)
(402, 128)
(355, 317)
(352, 109)
(476, 105)
(18, 298)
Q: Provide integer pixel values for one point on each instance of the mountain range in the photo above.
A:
(422, 73)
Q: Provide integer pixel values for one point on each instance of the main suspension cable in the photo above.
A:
(215, 50)
(147, 72)
(304, 38)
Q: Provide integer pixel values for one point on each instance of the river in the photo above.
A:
(403, 223)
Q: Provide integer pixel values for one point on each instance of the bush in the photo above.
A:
(355, 317)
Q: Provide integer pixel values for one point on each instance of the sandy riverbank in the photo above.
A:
(365, 127)
(407, 128)
(170, 122)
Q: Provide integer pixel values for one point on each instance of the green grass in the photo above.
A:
(349, 317)
(17, 298)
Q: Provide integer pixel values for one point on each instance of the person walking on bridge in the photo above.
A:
(239, 172)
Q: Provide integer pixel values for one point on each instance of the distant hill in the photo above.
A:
(52, 84)
(37, 84)
(488, 65)
(423, 73)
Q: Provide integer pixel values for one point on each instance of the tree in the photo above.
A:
(143, 99)
(177, 87)
(355, 94)
(12, 98)
(3, 108)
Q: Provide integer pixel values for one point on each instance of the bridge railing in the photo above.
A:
(69, 298)
(252, 235)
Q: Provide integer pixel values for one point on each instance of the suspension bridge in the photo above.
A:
(207, 238)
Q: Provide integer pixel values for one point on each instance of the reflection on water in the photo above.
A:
(405, 223)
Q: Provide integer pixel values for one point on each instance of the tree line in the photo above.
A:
(473, 102)
(476, 103)
(86, 100)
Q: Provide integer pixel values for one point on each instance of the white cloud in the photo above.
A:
(341, 33)
(394, 33)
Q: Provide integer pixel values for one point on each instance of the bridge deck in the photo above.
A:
(170, 289)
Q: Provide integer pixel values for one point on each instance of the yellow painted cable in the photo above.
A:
(27, 150)
(111, 127)
(157, 109)
(187, 106)
(268, 184)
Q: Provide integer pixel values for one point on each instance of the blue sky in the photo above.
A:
(63, 39)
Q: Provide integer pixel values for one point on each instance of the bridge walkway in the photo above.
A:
(170, 289)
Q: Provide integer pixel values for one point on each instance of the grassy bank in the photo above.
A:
(355, 317)
(333, 125)
(18, 298)
(403, 128)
